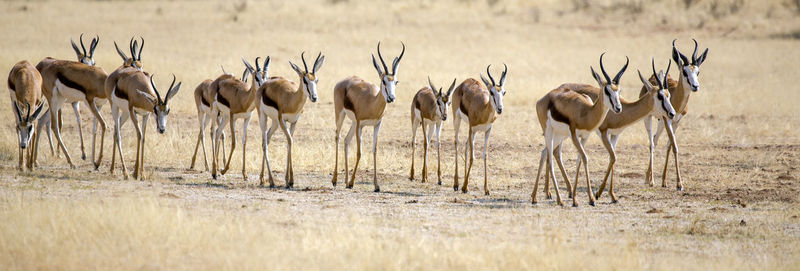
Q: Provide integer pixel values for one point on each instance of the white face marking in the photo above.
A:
(612, 101)
(388, 87)
(690, 77)
(161, 119)
(311, 88)
(24, 133)
(497, 94)
(662, 105)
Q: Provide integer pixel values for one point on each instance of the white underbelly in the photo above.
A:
(463, 116)
(562, 129)
(352, 116)
(292, 118)
(417, 115)
(69, 94)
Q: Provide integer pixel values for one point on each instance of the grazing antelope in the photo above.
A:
(479, 105)
(565, 112)
(429, 109)
(656, 103)
(364, 104)
(203, 99)
(25, 87)
(687, 83)
(282, 101)
(72, 82)
(235, 99)
(132, 96)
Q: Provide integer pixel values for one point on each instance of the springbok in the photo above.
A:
(655, 103)
(364, 104)
(680, 90)
(25, 87)
(133, 94)
(565, 112)
(429, 109)
(135, 61)
(203, 99)
(282, 101)
(72, 82)
(479, 105)
(235, 99)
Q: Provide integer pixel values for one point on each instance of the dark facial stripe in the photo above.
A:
(223, 101)
(69, 83)
(268, 102)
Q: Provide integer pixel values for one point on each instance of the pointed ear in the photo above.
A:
(295, 68)
(377, 67)
(318, 64)
(77, 50)
(597, 78)
(36, 113)
(676, 57)
(486, 81)
(93, 46)
(646, 83)
(249, 67)
(702, 57)
(172, 92)
(450, 89)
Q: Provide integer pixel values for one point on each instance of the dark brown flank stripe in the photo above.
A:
(69, 83)
(557, 115)
(203, 100)
(121, 94)
(268, 101)
(223, 101)
(461, 106)
(416, 104)
(348, 104)
(11, 85)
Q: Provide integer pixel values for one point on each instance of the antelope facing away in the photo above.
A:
(282, 101)
(479, 105)
(429, 109)
(565, 112)
(72, 82)
(235, 100)
(135, 61)
(203, 99)
(25, 87)
(134, 94)
(655, 103)
(364, 104)
(680, 91)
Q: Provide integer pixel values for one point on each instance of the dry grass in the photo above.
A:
(739, 143)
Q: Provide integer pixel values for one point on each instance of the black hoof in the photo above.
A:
(591, 203)
(614, 201)
(272, 186)
(349, 187)
(439, 183)
(548, 197)
(214, 176)
(464, 191)
(455, 188)
(83, 157)
(574, 205)
(680, 188)
(377, 190)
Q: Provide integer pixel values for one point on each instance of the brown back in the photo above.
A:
(359, 96)
(26, 82)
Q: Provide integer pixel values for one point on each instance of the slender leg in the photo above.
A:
(201, 120)
(358, 154)
(424, 154)
(549, 140)
(614, 139)
(233, 144)
(76, 109)
(115, 117)
(206, 118)
(339, 120)
(612, 158)
(485, 155)
(538, 174)
(291, 133)
(97, 118)
(413, 143)
(21, 156)
(135, 120)
(579, 146)
(55, 106)
(674, 145)
(144, 139)
(648, 175)
(557, 156)
(347, 140)
(456, 124)
(288, 178)
(374, 155)
(262, 121)
(244, 145)
(578, 168)
(471, 155)
(438, 153)
(218, 142)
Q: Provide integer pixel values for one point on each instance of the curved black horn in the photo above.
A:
(303, 57)
(28, 115)
(619, 74)
(694, 54)
(16, 109)
(169, 90)
(155, 89)
(666, 74)
(258, 68)
(490, 74)
(316, 61)
(83, 47)
(93, 46)
(653, 62)
(139, 57)
(397, 60)
(130, 46)
(503, 75)
(385, 69)
(603, 69)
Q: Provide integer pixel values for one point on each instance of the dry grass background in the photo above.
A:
(739, 143)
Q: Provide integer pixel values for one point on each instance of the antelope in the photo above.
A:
(680, 90)
(25, 87)
(70, 81)
(132, 96)
(565, 112)
(282, 101)
(135, 61)
(429, 109)
(203, 98)
(656, 102)
(235, 99)
(479, 105)
(364, 104)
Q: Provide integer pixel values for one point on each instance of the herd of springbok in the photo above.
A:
(571, 111)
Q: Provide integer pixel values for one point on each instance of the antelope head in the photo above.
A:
(388, 79)
(83, 56)
(660, 92)
(161, 109)
(308, 80)
(442, 99)
(690, 70)
(25, 123)
(610, 87)
(260, 73)
(496, 89)
(135, 60)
